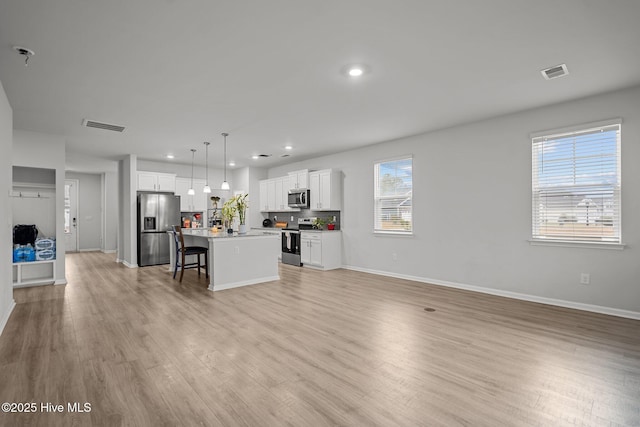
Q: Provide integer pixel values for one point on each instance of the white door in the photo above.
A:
(71, 215)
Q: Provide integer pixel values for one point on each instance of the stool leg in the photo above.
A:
(198, 265)
(182, 268)
(175, 267)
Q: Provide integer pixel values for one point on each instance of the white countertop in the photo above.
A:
(205, 232)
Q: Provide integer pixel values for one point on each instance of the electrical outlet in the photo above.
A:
(334, 218)
(236, 249)
(585, 278)
(291, 217)
(275, 217)
(394, 256)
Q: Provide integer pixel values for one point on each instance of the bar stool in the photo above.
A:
(188, 250)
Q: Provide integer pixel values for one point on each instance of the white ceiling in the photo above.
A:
(180, 72)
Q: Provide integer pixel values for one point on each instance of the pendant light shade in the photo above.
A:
(225, 184)
(206, 188)
(191, 191)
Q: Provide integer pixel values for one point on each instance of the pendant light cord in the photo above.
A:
(193, 155)
(225, 155)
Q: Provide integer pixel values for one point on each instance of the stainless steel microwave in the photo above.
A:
(298, 198)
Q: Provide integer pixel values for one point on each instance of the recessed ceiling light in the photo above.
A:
(255, 157)
(170, 156)
(288, 147)
(232, 163)
(356, 70)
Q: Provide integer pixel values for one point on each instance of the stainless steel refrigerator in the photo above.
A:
(157, 213)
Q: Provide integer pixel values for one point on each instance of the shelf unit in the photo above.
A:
(37, 277)
(33, 201)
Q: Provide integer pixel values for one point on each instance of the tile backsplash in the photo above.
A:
(305, 213)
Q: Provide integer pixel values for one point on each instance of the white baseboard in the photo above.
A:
(60, 282)
(89, 250)
(5, 318)
(129, 265)
(243, 283)
(108, 251)
(507, 294)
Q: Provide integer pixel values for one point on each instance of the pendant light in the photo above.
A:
(191, 191)
(206, 188)
(225, 184)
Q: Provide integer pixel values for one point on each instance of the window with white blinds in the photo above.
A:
(576, 184)
(393, 194)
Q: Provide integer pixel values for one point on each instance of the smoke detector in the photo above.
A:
(555, 72)
(26, 52)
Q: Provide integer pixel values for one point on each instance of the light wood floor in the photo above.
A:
(314, 349)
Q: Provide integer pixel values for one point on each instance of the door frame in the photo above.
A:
(76, 189)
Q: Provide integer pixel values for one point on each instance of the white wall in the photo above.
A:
(89, 210)
(247, 180)
(127, 239)
(110, 203)
(472, 210)
(108, 169)
(6, 231)
(39, 150)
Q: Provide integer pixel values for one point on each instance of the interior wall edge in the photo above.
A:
(5, 318)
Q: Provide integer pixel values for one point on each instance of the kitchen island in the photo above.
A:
(234, 260)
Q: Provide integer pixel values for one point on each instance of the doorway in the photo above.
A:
(71, 215)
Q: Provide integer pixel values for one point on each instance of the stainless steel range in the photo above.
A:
(291, 241)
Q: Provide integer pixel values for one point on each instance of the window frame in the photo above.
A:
(376, 197)
(542, 240)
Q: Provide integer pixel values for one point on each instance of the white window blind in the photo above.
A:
(393, 194)
(576, 185)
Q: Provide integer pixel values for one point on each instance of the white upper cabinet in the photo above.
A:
(274, 195)
(264, 197)
(298, 179)
(325, 189)
(195, 203)
(166, 182)
(154, 181)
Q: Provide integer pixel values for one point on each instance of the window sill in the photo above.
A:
(572, 244)
(393, 233)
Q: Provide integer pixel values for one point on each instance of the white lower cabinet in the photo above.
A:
(321, 249)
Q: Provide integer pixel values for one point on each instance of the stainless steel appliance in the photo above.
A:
(291, 246)
(157, 213)
(298, 198)
(291, 241)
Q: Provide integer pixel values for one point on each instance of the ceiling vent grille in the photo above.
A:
(555, 72)
(264, 155)
(99, 125)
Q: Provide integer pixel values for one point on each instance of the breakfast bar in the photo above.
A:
(235, 260)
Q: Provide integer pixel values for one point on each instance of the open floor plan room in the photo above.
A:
(315, 348)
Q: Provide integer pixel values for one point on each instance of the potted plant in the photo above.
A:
(227, 213)
(241, 206)
(319, 223)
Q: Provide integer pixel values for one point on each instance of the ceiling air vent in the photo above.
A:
(99, 125)
(264, 155)
(555, 72)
